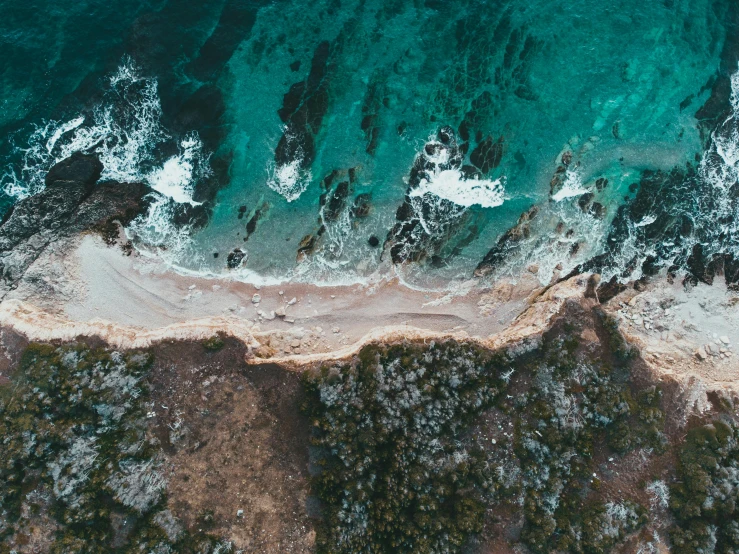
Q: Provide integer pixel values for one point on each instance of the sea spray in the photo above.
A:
(124, 131)
(289, 180)
(452, 185)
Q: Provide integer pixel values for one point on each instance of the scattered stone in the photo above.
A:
(280, 311)
(701, 354)
(724, 339)
(289, 320)
(256, 299)
(295, 343)
(292, 301)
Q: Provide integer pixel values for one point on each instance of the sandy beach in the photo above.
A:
(87, 284)
(82, 287)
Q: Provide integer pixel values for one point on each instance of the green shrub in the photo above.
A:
(75, 452)
(214, 343)
(704, 498)
(395, 480)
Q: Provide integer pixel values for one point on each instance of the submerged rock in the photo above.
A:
(306, 246)
(302, 111)
(488, 154)
(235, 258)
(251, 225)
(426, 223)
(507, 244)
(336, 202)
(234, 27)
(362, 205)
(337, 186)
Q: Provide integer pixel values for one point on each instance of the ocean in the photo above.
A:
(341, 141)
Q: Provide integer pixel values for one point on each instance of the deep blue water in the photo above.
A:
(236, 112)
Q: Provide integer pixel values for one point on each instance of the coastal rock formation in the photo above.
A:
(302, 111)
(425, 223)
(70, 204)
(507, 244)
(336, 211)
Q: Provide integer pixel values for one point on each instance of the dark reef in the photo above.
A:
(71, 203)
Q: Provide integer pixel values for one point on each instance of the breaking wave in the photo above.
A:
(706, 203)
(289, 180)
(124, 131)
(451, 184)
(571, 187)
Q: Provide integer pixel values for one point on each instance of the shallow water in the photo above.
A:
(616, 84)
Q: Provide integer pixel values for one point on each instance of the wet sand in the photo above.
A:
(88, 285)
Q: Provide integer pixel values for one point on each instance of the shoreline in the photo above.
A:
(94, 290)
(84, 281)
(89, 288)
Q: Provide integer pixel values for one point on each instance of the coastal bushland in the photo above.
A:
(78, 471)
(415, 443)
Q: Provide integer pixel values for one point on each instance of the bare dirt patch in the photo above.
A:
(236, 446)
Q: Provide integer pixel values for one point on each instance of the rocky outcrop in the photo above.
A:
(667, 230)
(302, 111)
(507, 244)
(335, 207)
(71, 203)
(425, 223)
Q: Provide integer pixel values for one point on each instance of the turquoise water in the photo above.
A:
(617, 84)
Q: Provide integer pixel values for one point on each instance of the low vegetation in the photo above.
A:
(78, 470)
(403, 466)
(416, 448)
(705, 495)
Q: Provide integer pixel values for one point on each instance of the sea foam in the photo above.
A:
(572, 186)
(124, 131)
(451, 184)
(288, 180)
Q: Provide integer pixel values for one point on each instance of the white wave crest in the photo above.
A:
(572, 186)
(154, 233)
(452, 185)
(175, 179)
(289, 180)
(123, 131)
